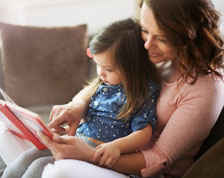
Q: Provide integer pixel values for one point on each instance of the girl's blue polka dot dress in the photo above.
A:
(101, 121)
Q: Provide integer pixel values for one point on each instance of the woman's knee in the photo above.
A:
(79, 169)
(36, 168)
(52, 171)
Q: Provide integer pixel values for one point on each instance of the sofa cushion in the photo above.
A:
(215, 135)
(210, 164)
(1, 75)
(43, 65)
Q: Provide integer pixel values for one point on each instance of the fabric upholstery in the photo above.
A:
(1, 76)
(209, 161)
(43, 66)
(215, 135)
(209, 165)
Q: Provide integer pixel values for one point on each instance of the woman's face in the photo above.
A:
(158, 47)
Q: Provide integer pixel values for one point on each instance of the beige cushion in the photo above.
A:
(43, 65)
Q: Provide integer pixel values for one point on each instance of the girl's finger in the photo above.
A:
(72, 129)
(103, 160)
(109, 162)
(59, 130)
(97, 154)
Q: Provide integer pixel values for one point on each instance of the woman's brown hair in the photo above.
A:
(123, 40)
(192, 27)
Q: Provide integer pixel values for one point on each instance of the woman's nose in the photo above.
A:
(149, 42)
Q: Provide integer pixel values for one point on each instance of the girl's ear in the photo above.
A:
(89, 53)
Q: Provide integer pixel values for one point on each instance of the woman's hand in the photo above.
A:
(68, 147)
(69, 114)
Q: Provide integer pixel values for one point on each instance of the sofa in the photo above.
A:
(209, 161)
(42, 66)
(45, 66)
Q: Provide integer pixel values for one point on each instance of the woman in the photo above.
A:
(183, 41)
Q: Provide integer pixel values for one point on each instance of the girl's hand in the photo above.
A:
(69, 114)
(68, 147)
(107, 154)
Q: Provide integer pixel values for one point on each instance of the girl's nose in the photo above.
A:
(100, 72)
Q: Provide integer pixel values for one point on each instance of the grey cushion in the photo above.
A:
(1, 76)
(43, 66)
(2, 166)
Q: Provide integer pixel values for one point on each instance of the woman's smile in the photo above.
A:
(154, 54)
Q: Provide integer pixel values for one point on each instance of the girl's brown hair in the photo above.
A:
(192, 27)
(123, 39)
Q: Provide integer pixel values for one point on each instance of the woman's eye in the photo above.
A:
(162, 40)
(144, 31)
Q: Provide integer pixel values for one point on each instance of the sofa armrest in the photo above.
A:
(210, 164)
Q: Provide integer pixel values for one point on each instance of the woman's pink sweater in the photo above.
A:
(185, 118)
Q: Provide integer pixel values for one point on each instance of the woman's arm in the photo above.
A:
(188, 113)
(74, 148)
(186, 128)
(70, 113)
(131, 163)
(195, 111)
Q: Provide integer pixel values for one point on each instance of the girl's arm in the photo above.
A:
(108, 153)
(135, 141)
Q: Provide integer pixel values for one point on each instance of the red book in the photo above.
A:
(23, 122)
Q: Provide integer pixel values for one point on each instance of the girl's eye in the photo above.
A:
(109, 70)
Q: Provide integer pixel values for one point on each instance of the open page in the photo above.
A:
(22, 122)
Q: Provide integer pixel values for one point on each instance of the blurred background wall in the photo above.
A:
(96, 13)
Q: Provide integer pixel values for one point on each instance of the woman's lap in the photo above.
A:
(36, 168)
(79, 169)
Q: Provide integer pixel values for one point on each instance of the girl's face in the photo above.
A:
(106, 69)
(156, 43)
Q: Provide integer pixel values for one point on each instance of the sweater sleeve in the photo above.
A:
(197, 108)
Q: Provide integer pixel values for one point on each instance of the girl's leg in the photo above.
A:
(79, 169)
(18, 167)
(36, 168)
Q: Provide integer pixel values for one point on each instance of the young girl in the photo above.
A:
(122, 108)
(121, 115)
